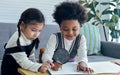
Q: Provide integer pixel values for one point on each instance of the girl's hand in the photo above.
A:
(46, 66)
(57, 66)
(82, 66)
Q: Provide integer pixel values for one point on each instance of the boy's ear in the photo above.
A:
(60, 28)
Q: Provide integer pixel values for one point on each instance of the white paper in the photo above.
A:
(98, 67)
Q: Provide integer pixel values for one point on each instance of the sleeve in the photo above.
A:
(50, 48)
(82, 51)
(22, 59)
(32, 55)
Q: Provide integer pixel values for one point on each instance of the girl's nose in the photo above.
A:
(37, 34)
(70, 32)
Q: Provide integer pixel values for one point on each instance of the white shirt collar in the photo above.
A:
(24, 40)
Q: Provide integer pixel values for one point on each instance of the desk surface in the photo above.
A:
(27, 72)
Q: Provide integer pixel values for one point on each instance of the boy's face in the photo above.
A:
(70, 29)
(32, 30)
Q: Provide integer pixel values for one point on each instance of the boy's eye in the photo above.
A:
(75, 29)
(66, 29)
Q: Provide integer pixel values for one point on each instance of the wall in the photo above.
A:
(10, 10)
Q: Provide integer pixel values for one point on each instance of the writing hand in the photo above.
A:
(56, 66)
(46, 66)
(82, 66)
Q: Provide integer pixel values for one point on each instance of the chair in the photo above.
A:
(41, 53)
(109, 49)
(96, 43)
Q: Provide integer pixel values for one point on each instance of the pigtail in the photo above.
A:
(19, 33)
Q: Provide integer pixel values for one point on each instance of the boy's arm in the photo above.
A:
(49, 50)
(82, 52)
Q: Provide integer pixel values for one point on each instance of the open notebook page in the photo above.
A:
(98, 67)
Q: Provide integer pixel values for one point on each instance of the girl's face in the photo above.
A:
(70, 29)
(32, 30)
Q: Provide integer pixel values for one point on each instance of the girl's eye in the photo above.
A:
(39, 30)
(34, 30)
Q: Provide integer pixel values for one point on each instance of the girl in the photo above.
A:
(19, 51)
(69, 16)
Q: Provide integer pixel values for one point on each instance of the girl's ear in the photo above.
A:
(22, 25)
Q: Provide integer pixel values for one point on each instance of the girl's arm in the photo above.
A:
(22, 59)
(32, 55)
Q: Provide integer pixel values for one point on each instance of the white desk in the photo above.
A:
(27, 72)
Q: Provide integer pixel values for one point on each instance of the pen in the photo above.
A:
(49, 72)
(117, 63)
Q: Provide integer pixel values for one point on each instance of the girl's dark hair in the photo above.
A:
(69, 11)
(28, 16)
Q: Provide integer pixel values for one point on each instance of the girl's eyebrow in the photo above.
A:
(36, 28)
(33, 28)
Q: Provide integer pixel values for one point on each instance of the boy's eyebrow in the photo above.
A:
(67, 26)
(75, 27)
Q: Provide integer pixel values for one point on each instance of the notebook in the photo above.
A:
(98, 67)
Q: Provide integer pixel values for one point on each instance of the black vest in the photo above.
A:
(27, 49)
(74, 47)
(9, 65)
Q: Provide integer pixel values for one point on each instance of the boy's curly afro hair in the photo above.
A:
(69, 11)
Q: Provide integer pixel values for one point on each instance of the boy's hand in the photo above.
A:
(82, 66)
(56, 66)
(46, 66)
